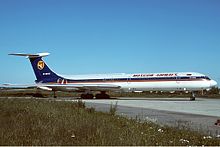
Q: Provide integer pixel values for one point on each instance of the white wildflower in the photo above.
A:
(160, 130)
(73, 136)
(207, 137)
(184, 140)
(151, 119)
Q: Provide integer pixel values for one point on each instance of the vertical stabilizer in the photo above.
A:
(42, 72)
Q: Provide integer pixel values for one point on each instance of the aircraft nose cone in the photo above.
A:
(213, 83)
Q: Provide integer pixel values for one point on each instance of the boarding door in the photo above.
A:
(129, 83)
(178, 82)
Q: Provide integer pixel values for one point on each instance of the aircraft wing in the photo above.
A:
(64, 87)
(17, 86)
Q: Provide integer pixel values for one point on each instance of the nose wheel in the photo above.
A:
(193, 97)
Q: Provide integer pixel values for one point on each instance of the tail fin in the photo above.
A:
(41, 70)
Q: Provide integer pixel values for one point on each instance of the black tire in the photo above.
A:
(102, 96)
(98, 96)
(192, 98)
(89, 96)
(83, 96)
(107, 96)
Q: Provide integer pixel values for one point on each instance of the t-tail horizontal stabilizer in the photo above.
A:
(31, 55)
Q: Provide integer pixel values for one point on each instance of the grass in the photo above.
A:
(113, 108)
(49, 122)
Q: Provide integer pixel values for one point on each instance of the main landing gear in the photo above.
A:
(54, 94)
(101, 95)
(87, 96)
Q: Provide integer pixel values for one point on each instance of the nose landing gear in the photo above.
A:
(193, 97)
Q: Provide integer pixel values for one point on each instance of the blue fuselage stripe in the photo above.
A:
(138, 79)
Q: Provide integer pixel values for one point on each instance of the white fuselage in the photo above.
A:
(148, 82)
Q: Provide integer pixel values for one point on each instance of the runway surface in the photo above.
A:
(199, 115)
(201, 106)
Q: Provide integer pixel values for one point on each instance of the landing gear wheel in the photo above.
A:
(193, 97)
(98, 96)
(87, 96)
(102, 95)
(83, 96)
(54, 94)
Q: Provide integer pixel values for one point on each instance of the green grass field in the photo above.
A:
(49, 122)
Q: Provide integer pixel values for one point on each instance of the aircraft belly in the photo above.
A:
(196, 85)
(166, 86)
(152, 86)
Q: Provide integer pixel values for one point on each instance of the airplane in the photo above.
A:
(46, 79)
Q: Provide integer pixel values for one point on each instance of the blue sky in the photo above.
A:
(110, 36)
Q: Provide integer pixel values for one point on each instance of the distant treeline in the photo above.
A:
(214, 93)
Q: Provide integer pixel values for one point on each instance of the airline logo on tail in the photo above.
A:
(40, 65)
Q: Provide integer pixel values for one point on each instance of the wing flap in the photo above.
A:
(83, 87)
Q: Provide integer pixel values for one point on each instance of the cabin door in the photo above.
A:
(129, 84)
(178, 82)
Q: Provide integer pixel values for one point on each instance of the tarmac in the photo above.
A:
(199, 115)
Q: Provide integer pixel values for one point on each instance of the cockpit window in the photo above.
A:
(201, 77)
(207, 78)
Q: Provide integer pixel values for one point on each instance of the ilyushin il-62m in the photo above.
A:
(46, 79)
